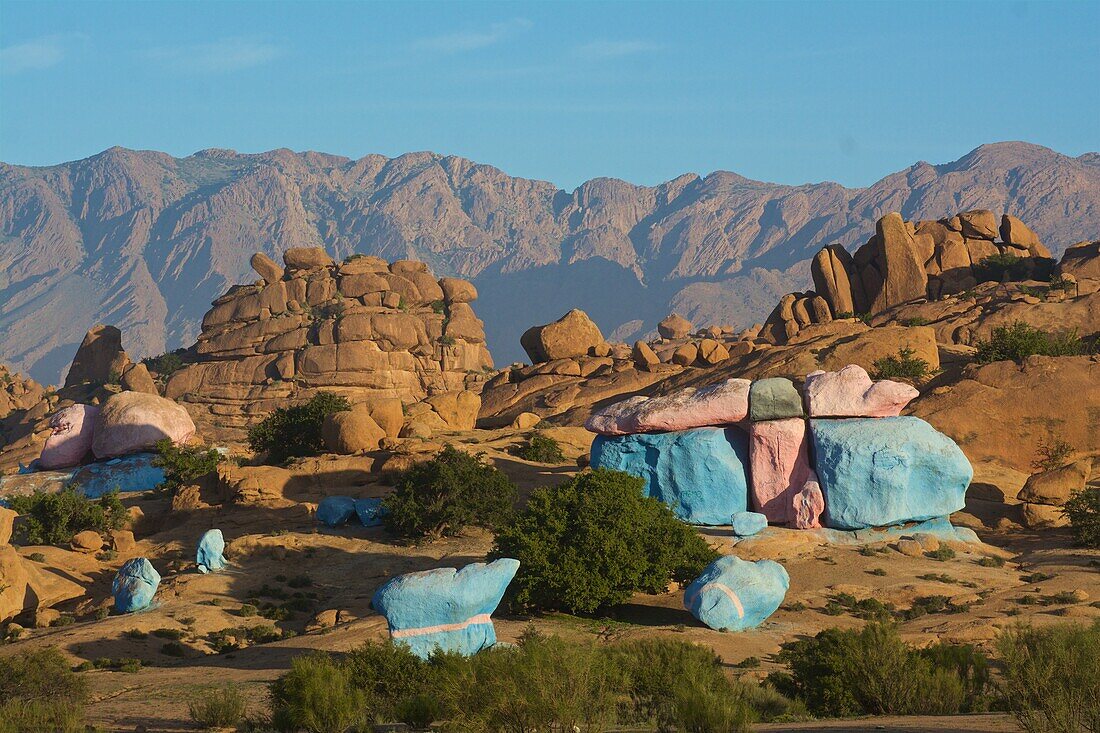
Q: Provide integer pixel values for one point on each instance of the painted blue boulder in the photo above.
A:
(335, 510)
(370, 511)
(702, 474)
(127, 474)
(733, 594)
(209, 557)
(746, 524)
(875, 472)
(135, 585)
(445, 609)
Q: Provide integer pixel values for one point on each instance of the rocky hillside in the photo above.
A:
(146, 241)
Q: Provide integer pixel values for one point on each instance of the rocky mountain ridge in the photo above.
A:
(145, 241)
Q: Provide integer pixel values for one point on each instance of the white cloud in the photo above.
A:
(37, 53)
(606, 49)
(226, 54)
(473, 39)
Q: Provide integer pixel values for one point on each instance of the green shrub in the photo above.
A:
(540, 449)
(52, 519)
(1020, 340)
(903, 366)
(39, 692)
(172, 649)
(1051, 677)
(317, 696)
(1083, 512)
(592, 542)
(184, 464)
(999, 267)
(704, 710)
(218, 707)
(943, 553)
(873, 672)
(390, 676)
(1051, 455)
(452, 491)
(166, 364)
(295, 431)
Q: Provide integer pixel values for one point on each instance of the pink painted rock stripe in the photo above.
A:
(724, 589)
(481, 618)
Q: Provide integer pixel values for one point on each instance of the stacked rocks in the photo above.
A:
(363, 328)
(714, 452)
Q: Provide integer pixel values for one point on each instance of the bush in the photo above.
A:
(317, 696)
(39, 692)
(873, 672)
(904, 366)
(1001, 267)
(1051, 679)
(183, 464)
(1021, 340)
(592, 542)
(540, 449)
(1083, 512)
(295, 431)
(52, 519)
(448, 493)
(1052, 455)
(218, 708)
(166, 364)
(391, 676)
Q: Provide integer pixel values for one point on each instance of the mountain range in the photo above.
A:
(145, 241)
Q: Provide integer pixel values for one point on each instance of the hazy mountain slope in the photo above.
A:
(145, 241)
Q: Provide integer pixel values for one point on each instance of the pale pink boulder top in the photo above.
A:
(850, 392)
(71, 438)
(725, 403)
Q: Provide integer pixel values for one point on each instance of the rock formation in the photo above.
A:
(102, 360)
(363, 328)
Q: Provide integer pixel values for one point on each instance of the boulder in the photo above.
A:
(71, 430)
(746, 524)
(526, 421)
(136, 378)
(876, 472)
(387, 412)
(732, 594)
(712, 352)
(719, 404)
(979, 224)
(774, 398)
(685, 355)
(701, 474)
(851, 393)
(445, 609)
(335, 511)
(351, 431)
(135, 585)
(1081, 262)
(779, 460)
(128, 474)
(808, 504)
(831, 269)
(675, 326)
(571, 335)
(458, 409)
(122, 540)
(7, 522)
(266, 268)
(902, 276)
(209, 557)
(13, 583)
(643, 356)
(131, 422)
(88, 541)
(1014, 231)
(369, 511)
(1043, 516)
(306, 258)
(1056, 486)
(456, 290)
(99, 359)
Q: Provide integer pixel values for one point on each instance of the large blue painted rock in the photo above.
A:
(335, 510)
(135, 585)
(445, 609)
(733, 594)
(876, 472)
(370, 511)
(209, 557)
(701, 474)
(131, 473)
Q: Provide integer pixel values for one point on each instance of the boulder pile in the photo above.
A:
(362, 328)
(838, 455)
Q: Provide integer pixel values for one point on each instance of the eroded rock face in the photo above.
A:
(132, 422)
(363, 328)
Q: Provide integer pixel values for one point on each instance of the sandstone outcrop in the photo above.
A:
(363, 328)
(102, 360)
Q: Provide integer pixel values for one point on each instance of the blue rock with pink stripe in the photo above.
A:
(733, 594)
(445, 609)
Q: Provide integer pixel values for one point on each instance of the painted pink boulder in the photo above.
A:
(779, 461)
(716, 405)
(71, 437)
(851, 393)
(807, 506)
(132, 422)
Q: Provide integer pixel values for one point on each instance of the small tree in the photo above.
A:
(295, 431)
(904, 366)
(452, 491)
(218, 708)
(1083, 512)
(52, 519)
(317, 696)
(40, 692)
(183, 464)
(540, 449)
(592, 542)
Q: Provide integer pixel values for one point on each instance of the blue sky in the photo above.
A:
(785, 92)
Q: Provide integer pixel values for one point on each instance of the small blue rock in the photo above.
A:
(746, 524)
(135, 585)
(733, 594)
(702, 474)
(370, 511)
(335, 510)
(209, 557)
(876, 472)
(445, 609)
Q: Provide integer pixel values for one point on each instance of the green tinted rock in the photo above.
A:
(774, 399)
